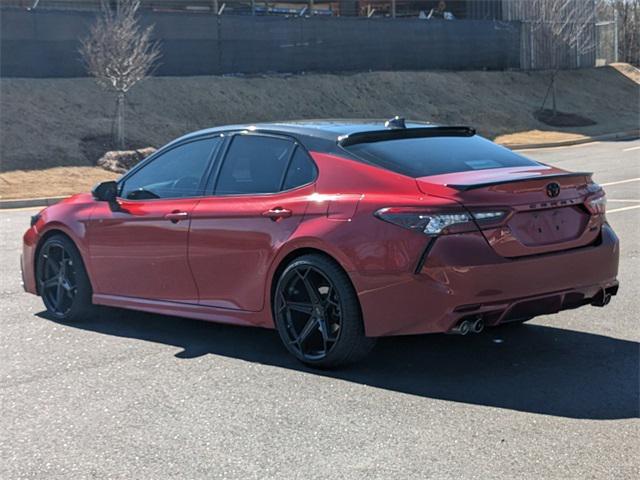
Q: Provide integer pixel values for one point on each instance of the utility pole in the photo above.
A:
(393, 8)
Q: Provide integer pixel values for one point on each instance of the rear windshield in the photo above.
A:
(422, 157)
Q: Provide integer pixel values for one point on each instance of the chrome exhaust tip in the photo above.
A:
(462, 328)
(601, 299)
(477, 326)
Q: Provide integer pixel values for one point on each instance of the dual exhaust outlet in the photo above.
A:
(468, 326)
(602, 299)
(476, 325)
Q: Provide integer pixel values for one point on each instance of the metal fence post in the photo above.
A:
(578, 51)
(615, 34)
(531, 47)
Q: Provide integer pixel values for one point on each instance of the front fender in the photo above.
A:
(69, 217)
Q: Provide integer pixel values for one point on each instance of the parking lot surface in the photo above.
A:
(134, 395)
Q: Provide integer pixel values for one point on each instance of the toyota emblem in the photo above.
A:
(553, 190)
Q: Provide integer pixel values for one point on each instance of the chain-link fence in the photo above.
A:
(606, 43)
(45, 44)
(454, 9)
(542, 49)
(537, 47)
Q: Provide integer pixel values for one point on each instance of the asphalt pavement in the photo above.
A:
(139, 396)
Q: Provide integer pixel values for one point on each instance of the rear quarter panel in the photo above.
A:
(340, 222)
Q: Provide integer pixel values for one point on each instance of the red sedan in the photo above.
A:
(332, 232)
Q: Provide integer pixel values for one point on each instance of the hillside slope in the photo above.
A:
(56, 122)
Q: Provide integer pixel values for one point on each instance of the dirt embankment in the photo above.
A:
(47, 123)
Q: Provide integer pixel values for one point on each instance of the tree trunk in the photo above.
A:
(120, 122)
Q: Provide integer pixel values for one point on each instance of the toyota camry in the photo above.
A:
(333, 232)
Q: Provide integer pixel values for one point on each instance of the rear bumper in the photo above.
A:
(463, 277)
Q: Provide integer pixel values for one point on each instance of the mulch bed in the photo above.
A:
(562, 119)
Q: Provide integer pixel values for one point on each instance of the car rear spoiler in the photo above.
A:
(403, 133)
(473, 186)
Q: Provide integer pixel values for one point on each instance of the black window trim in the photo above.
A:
(166, 149)
(212, 183)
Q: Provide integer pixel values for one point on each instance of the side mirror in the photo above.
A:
(105, 191)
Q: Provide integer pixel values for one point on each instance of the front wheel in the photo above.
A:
(62, 280)
(317, 313)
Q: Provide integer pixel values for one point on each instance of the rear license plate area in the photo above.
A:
(543, 227)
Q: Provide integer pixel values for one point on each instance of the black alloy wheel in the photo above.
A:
(57, 279)
(317, 313)
(62, 280)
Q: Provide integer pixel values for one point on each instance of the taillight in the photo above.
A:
(598, 205)
(439, 222)
(597, 202)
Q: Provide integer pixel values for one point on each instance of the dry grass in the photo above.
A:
(629, 71)
(51, 182)
(48, 123)
(537, 136)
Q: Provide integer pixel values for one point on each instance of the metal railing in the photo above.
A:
(477, 9)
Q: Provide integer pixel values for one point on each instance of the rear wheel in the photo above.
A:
(317, 313)
(62, 279)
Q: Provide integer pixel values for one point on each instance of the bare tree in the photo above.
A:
(626, 13)
(563, 26)
(629, 22)
(119, 53)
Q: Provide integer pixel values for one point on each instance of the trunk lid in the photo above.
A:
(546, 205)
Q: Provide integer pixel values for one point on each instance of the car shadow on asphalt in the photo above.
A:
(528, 368)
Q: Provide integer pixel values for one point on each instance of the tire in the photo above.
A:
(66, 295)
(317, 313)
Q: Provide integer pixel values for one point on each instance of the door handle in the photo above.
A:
(277, 213)
(176, 216)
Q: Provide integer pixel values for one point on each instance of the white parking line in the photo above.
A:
(629, 180)
(633, 207)
(622, 200)
(631, 149)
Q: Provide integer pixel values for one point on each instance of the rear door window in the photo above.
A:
(421, 157)
(254, 164)
(301, 170)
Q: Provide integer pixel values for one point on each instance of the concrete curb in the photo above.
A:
(30, 202)
(628, 135)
